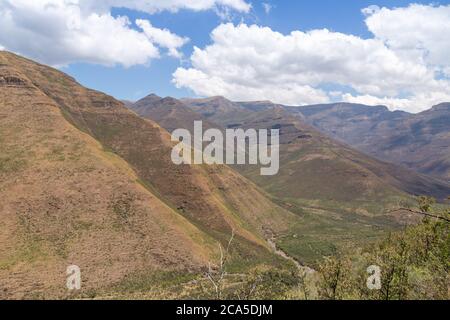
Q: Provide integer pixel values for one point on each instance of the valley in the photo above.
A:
(88, 180)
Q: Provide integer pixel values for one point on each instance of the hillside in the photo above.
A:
(341, 195)
(305, 152)
(91, 183)
(169, 113)
(66, 200)
(417, 141)
(413, 263)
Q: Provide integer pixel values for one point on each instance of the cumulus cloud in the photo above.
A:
(60, 32)
(207, 85)
(153, 6)
(163, 37)
(403, 66)
(417, 32)
(417, 103)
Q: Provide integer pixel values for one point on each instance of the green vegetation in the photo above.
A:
(325, 227)
(27, 252)
(12, 161)
(151, 281)
(414, 263)
(11, 164)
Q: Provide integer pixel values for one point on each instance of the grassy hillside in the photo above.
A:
(66, 200)
(340, 195)
(207, 199)
(89, 182)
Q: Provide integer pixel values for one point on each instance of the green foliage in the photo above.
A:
(267, 284)
(425, 203)
(335, 283)
(414, 263)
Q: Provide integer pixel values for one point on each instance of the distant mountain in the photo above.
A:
(218, 110)
(86, 181)
(297, 135)
(127, 102)
(168, 112)
(418, 141)
(340, 193)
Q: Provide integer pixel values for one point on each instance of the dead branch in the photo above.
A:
(419, 212)
(216, 277)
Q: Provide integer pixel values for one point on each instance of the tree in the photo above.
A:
(216, 276)
(335, 282)
(414, 263)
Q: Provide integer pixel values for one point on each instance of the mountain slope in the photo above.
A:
(417, 141)
(169, 113)
(219, 110)
(309, 158)
(209, 197)
(341, 195)
(65, 200)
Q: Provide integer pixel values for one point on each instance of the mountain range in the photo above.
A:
(339, 193)
(88, 180)
(420, 141)
(295, 132)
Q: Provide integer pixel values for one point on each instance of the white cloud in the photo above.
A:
(163, 37)
(206, 85)
(404, 66)
(267, 7)
(417, 32)
(153, 6)
(60, 32)
(255, 62)
(417, 103)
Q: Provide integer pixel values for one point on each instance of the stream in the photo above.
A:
(284, 255)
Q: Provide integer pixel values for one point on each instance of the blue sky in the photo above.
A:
(285, 16)
(393, 54)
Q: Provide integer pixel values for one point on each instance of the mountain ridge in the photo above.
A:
(202, 204)
(375, 130)
(416, 141)
(326, 182)
(65, 200)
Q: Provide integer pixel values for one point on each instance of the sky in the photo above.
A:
(376, 52)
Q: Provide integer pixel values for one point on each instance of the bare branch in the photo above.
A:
(216, 277)
(419, 212)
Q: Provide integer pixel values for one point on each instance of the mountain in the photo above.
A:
(86, 181)
(418, 141)
(66, 200)
(218, 109)
(296, 135)
(127, 103)
(168, 112)
(341, 194)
